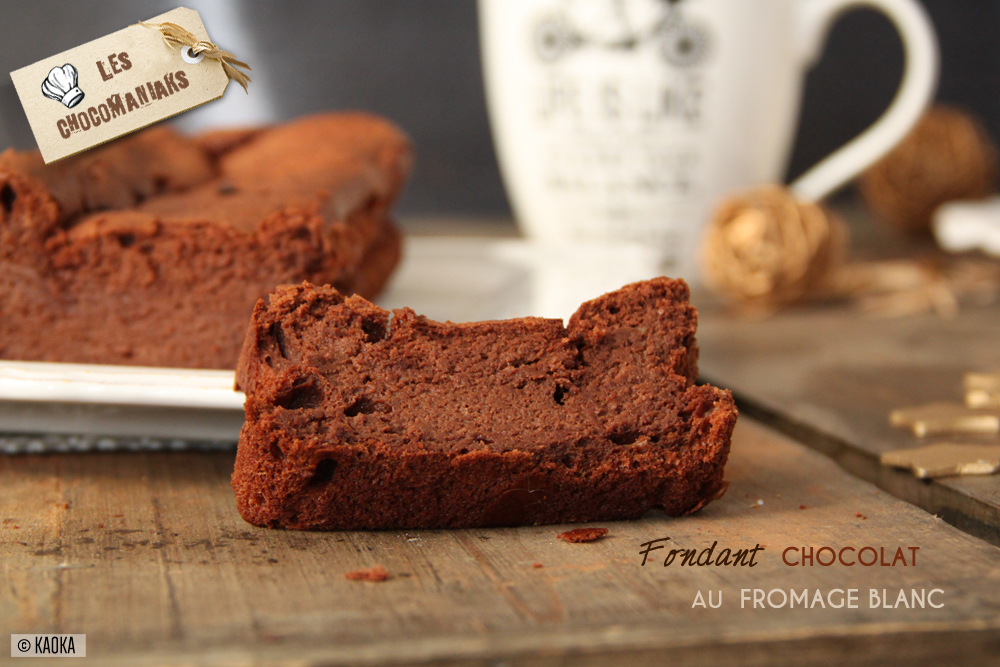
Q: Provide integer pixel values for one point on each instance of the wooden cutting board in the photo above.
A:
(830, 377)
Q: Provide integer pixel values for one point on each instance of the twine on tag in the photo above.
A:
(175, 35)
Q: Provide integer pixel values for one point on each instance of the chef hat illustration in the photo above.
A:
(60, 85)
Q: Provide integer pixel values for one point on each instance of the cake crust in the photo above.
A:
(356, 419)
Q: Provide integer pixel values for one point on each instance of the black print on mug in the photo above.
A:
(682, 43)
(60, 85)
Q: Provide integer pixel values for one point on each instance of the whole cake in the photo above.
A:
(153, 249)
(357, 418)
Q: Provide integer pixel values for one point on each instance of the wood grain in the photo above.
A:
(146, 554)
(830, 377)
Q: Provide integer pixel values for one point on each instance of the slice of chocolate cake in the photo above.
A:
(361, 419)
(153, 250)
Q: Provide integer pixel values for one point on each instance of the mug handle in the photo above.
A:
(915, 91)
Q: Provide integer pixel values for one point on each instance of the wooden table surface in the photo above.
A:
(830, 376)
(146, 554)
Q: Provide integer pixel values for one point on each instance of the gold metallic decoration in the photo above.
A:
(765, 248)
(982, 390)
(945, 418)
(946, 459)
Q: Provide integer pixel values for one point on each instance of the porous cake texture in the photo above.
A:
(358, 418)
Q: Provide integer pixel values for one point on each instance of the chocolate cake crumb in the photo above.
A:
(357, 418)
(377, 573)
(152, 250)
(582, 535)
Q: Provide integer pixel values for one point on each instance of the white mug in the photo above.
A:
(626, 120)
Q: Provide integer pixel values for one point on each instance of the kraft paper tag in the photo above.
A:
(114, 85)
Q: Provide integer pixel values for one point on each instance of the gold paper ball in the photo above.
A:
(766, 249)
(947, 156)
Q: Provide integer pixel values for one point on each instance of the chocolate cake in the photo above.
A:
(357, 418)
(153, 249)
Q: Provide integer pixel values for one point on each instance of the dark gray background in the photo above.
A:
(417, 62)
